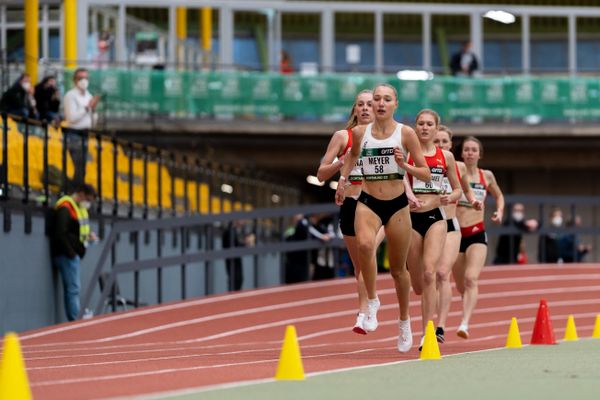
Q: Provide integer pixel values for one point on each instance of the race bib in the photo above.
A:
(379, 164)
(434, 186)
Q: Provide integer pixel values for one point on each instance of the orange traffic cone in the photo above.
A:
(542, 330)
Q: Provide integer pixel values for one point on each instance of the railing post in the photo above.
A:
(131, 179)
(159, 231)
(100, 203)
(183, 265)
(4, 195)
(26, 187)
(136, 274)
(186, 203)
(46, 176)
(145, 182)
(115, 210)
(65, 178)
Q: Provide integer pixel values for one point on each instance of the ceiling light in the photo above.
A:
(414, 75)
(500, 16)
(225, 188)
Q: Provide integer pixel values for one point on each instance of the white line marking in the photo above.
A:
(299, 303)
(324, 333)
(260, 292)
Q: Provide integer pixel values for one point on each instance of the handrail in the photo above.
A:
(142, 177)
(208, 254)
(276, 244)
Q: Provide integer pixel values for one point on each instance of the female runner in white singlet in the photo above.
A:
(443, 139)
(383, 146)
(473, 244)
(331, 163)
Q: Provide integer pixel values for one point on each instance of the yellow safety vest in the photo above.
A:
(82, 217)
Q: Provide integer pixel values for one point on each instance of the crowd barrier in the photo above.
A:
(41, 161)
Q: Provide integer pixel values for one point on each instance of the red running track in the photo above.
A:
(234, 338)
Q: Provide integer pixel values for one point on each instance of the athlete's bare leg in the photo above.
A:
(444, 286)
(398, 233)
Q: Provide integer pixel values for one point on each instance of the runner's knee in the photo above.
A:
(429, 278)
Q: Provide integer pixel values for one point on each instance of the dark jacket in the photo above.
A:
(47, 100)
(16, 101)
(455, 63)
(64, 235)
(509, 245)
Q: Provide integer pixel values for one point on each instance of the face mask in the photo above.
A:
(83, 84)
(518, 216)
(557, 221)
(26, 85)
(85, 204)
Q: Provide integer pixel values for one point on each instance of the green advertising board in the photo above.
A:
(194, 94)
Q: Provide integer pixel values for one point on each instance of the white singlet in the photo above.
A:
(377, 155)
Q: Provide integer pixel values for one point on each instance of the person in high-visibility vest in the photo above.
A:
(69, 237)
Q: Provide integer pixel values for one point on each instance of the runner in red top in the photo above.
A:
(473, 245)
(428, 218)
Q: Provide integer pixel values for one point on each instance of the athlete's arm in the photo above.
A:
(411, 143)
(350, 160)
(445, 199)
(328, 167)
(494, 189)
(413, 201)
(465, 183)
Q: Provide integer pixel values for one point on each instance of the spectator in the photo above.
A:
(548, 249)
(69, 237)
(234, 236)
(322, 260)
(18, 99)
(464, 62)
(297, 262)
(47, 100)
(571, 250)
(105, 41)
(79, 107)
(510, 245)
(285, 66)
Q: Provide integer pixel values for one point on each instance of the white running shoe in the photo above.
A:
(421, 343)
(370, 322)
(405, 339)
(463, 331)
(359, 325)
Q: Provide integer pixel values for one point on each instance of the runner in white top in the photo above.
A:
(331, 163)
(383, 202)
(443, 139)
(473, 245)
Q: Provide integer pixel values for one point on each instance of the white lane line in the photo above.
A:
(203, 389)
(478, 311)
(186, 304)
(260, 292)
(237, 313)
(186, 369)
(489, 310)
(331, 354)
(493, 295)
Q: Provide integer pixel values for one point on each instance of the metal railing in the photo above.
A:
(40, 162)
(269, 225)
